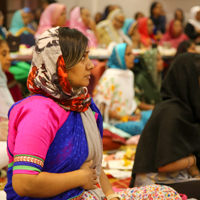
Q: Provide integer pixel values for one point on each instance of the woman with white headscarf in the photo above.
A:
(110, 29)
(192, 28)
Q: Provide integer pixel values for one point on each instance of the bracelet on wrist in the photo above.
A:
(114, 196)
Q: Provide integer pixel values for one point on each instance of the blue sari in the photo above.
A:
(67, 152)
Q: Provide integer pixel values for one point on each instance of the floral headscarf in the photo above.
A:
(48, 75)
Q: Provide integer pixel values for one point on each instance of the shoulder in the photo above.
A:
(37, 105)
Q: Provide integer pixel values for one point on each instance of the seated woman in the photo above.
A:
(130, 28)
(179, 14)
(186, 46)
(20, 21)
(148, 77)
(110, 29)
(81, 20)
(157, 17)
(55, 135)
(175, 35)
(6, 102)
(5, 61)
(53, 15)
(145, 27)
(168, 151)
(114, 94)
(192, 29)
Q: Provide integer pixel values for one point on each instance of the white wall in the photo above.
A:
(130, 7)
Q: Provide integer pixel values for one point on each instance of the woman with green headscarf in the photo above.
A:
(130, 28)
(20, 22)
(148, 77)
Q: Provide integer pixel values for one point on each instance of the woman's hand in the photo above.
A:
(92, 25)
(89, 176)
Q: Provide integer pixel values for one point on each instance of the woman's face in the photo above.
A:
(177, 28)
(118, 21)
(26, 17)
(192, 48)
(135, 30)
(179, 15)
(157, 11)
(5, 58)
(62, 19)
(160, 65)
(150, 26)
(79, 75)
(129, 58)
(198, 16)
(86, 17)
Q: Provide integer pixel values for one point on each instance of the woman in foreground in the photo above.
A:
(54, 142)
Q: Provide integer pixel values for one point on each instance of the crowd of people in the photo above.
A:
(57, 106)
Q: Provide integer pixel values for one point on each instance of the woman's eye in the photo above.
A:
(3, 54)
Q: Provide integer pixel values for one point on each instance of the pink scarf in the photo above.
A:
(77, 23)
(49, 17)
(170, 37)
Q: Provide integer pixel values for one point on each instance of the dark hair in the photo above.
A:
(136, 15)
(179, 9)
(73, 45)
(51, 1)
(183, 46)
(153, 5)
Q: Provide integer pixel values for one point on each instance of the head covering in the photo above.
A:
(173, 39)
(150, 59)
(117, 59)
(128, 26)
(183, 46)
(173, 130)
(146, 39)
(193, 13)
(116, 86)
(17, 22)
(77, 23)
(49, 17)
(48, 75)
(6, 99)
(110, 33)
(145, 88)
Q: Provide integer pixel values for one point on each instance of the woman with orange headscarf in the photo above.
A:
(145, 27)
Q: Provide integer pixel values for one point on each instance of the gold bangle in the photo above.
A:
(114, 196)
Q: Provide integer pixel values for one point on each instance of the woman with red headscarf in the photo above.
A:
(145, 27)
(174, 35)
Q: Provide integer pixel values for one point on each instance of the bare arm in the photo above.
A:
(144, 106)
(106, 186)
(47, 184)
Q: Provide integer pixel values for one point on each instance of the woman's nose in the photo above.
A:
(89, 65)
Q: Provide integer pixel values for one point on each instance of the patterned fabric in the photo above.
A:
(48, 75)
(150, 59)
(149, 192)
(115, 88)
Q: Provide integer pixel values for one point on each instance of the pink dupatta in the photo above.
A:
(170, 37)
(77, 23)
(49, 17)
